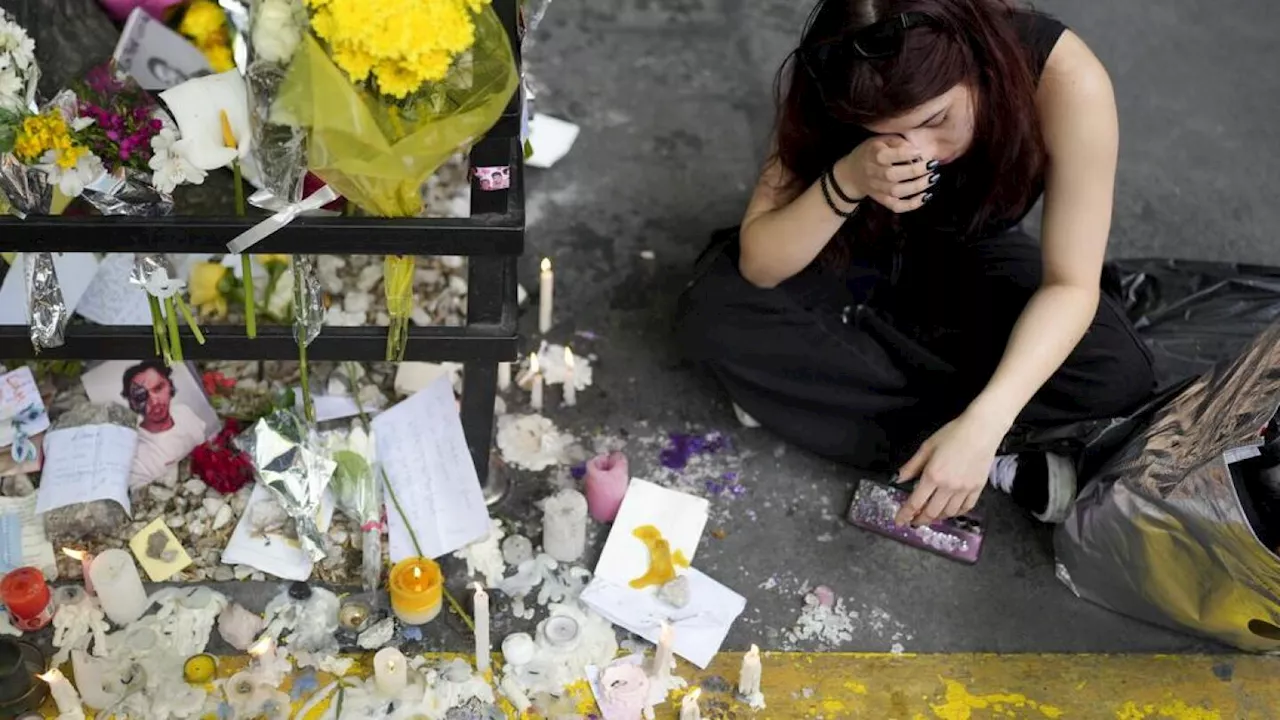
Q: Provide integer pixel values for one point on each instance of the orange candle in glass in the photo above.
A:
(416, 590)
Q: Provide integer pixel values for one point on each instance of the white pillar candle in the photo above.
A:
(661, 670)
(546, 284)
(518, 649)
(64, 695)
(483, 648)
(570, 390)
(749, 675)
(689, 709)
(564, 525)
(118, 586)
(535, 395)
(504, 376)
(390, 672)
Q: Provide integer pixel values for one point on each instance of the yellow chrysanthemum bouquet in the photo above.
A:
(388, 90)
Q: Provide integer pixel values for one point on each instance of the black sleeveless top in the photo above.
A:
(1039, 34)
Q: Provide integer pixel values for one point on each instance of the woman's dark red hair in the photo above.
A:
(824, 108)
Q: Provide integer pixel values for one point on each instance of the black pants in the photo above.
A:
(862, 366)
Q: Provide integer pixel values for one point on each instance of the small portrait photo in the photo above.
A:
(174, 415)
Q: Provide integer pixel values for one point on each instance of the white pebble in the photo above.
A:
(194, 486)
(243, 572)
(213, 505)
(370, 276)
(357, 302)
(223, 518)
(176, 521)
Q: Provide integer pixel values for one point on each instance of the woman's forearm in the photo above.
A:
(1049, 328)
(780, 243)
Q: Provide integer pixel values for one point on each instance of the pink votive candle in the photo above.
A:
(606, 483)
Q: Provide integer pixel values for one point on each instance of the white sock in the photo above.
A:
(1003, 469)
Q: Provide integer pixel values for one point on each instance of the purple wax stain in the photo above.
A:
(578, 471)
(682, 446)
(224, 710)
(304, 684)
(412, 633)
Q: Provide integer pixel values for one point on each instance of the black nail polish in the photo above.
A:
(932, 164)
(925, 198)
(933, 179)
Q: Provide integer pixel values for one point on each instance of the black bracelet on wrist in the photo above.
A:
(826, 195)
(835, 185)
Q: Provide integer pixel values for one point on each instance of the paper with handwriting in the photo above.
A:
(23, 542)
(424, 454)
(86, 463)
(18, 394)
(111, 299)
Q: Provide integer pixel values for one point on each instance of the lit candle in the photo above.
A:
(270, 666)
(749, 675)
(119, 588)
(535, 398)
(662, 655)
(85, 561)
(689, 709)
(570, 390)
(504, 375)
(606, 484)
(546, 283)
(64, 695)
(481, 611)
(416, 590)
(390, 672)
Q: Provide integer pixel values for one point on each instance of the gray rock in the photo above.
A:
(676, 592)
(378, 635)
(224, 574)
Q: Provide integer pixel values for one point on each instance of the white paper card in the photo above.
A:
(552, 138)
(18, 391)
(272, 553)
(680, 517)
(111, 299)
(328, 407)
(34, 548)
(157, 57)
(699, 628)
(86, 463)
(423, 451)
(75, 273)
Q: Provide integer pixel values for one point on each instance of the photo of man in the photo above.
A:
(174, 416)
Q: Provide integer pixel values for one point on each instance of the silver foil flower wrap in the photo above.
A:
(127, 192)
(1160, 532)
(308, 302)
(283, 460)
(28, 189)
(45, 306)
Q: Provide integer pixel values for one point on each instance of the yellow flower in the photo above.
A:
(268, 258)
(205, 293)
(404, 43)
(202, 21)
(219, 57)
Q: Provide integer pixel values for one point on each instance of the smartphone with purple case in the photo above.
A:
(875, 505)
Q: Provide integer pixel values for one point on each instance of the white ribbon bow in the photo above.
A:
(285, 214)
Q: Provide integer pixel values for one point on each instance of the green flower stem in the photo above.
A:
(175, 340)
(413, 537)
(191, 319)
(239, 178)
(250, 309)
(308, 407)
(157, 327)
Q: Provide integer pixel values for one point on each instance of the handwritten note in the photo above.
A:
(18, 392)
(75, 273)
(23, 542)
(111, 299)
(424, 453)
(86, 463)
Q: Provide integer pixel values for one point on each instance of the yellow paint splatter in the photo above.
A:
(855, 687)
(662, 562)
(833, 706)
(1173, 710)
(960, 704)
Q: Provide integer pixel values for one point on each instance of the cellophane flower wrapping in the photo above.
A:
(377, 151)
(358, 494)
(279, 148)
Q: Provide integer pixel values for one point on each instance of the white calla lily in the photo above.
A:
(206, 109)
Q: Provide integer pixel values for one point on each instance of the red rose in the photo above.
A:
(220, 464)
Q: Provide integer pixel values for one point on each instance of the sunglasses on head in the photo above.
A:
(876, 41)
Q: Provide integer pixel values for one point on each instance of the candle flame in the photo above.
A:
(74, 554)
(533, 363)
(52, 676)
(417, 573)
(546, 265)
(261, 647)
(568, 358)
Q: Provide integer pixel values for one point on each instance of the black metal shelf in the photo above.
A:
(492, 239)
